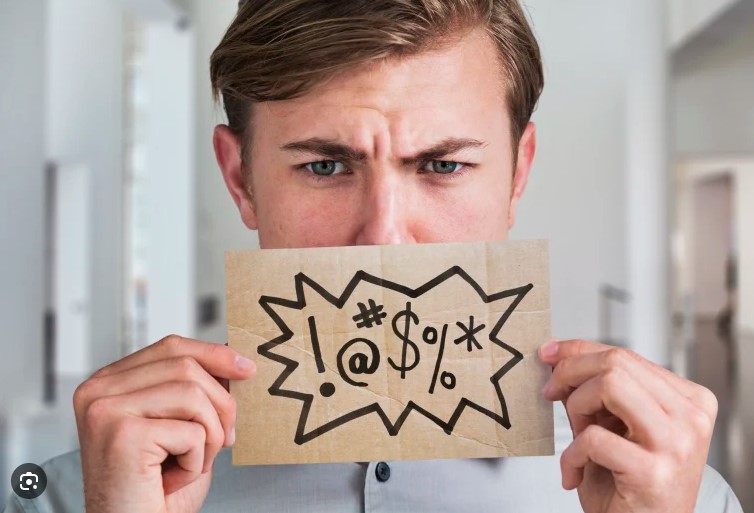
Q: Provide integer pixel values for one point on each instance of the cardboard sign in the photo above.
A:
(390, 352)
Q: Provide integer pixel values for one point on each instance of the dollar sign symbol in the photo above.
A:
(409, 316)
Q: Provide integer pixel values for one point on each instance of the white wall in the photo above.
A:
(576, 196)
(219, 227)
(168, 71)
(85, 118)
(22, 186)
(713, 99)
(688, 17)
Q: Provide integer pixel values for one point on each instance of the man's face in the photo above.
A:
(403, 151)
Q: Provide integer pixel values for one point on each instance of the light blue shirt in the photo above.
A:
(476, 485)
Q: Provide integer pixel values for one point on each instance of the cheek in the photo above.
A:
(324, 220)
(473, 212)
(293, 218)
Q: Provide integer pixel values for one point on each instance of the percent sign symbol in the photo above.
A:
(448, 379)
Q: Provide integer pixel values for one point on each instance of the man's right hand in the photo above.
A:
(151, 424)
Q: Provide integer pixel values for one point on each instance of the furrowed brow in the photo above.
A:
(334, 150)
(326, 148)
(442, 149)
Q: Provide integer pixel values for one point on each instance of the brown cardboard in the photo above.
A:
(326, 398)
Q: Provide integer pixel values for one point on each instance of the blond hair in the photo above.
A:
(281, 49)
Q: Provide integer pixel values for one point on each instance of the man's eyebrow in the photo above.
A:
(334, 150)
(326, 148)
(442, 149)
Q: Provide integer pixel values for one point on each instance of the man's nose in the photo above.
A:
(385, 213)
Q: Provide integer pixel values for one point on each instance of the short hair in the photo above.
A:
(281, 49)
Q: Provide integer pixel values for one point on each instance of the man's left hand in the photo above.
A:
(641, 433)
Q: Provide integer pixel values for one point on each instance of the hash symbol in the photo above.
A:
(367, 316)
(468, 334)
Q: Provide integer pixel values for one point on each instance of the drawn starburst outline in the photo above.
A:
(303, 436)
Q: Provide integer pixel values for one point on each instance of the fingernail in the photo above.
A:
(232, 438)
(549, 349)
(244, 363)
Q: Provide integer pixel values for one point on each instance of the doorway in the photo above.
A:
(712, 260)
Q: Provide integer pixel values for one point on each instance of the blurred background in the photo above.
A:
(115, 217)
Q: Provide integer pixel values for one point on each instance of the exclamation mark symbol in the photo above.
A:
(326, 389)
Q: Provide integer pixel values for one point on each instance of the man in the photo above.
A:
(380, 122)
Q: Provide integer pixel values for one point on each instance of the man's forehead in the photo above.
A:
(462, 64)
(458, 84)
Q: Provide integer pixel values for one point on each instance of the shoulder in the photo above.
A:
(64, 492)
(715, 495)
(63, 465)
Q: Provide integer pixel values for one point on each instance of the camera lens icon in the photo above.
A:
(29, 481)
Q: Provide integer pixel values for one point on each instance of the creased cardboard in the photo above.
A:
(390, 352)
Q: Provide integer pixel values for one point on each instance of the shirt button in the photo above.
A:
(382, 471)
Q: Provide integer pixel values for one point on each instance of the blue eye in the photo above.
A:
(326, 167)
(442, 167)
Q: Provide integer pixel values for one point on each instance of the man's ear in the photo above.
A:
(526, 148)
(228, 154)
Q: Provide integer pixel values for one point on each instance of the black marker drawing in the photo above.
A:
(326, 389)
(469, 334)
(359, 363)
(447, 379)
(369, 316)
(409, 317)
(365, 358)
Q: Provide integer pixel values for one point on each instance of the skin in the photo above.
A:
(151, 424)
(391, 112)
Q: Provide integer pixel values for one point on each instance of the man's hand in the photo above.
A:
(151, 424)
(641, 433)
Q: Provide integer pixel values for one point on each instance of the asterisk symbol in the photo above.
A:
(468, 334)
